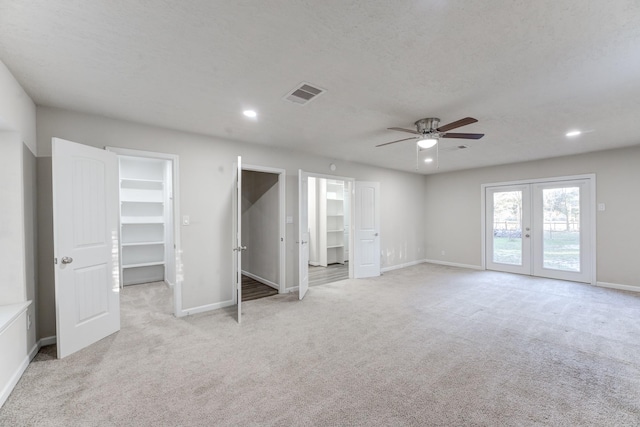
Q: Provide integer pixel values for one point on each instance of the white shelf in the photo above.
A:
(143, 212)
(142, 201)
(141, 185)
(142, 244)
(142, 220)
(143, 264)
(139, 180)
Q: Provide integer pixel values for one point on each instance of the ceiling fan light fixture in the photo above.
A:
(427, 142)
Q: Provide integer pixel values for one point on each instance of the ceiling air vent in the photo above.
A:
(303, 94)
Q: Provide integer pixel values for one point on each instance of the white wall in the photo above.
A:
(17, 110)
(261, 225)
(452, 215)
(206, 181)
(12, 241)
(17, 226)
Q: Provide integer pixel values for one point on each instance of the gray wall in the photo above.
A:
(206, 182)
(452, 216)
(260, 225)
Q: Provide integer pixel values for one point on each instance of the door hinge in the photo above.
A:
(55, 260)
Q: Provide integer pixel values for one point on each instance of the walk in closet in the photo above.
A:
(328, 222)
(145, 219)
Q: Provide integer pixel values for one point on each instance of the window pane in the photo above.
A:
(561, 229)
(507, 227)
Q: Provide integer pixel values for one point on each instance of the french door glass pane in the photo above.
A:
(561, 228)
(507, 227)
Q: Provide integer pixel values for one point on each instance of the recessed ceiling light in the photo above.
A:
(250, 113)
(428, 160)
(573, 133)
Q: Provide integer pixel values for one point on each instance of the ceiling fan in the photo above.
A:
(428, 133)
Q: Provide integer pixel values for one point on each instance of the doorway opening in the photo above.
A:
(262, 230)
(542, 228)
(147, 193)
(329, 221)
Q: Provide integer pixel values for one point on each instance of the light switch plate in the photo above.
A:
(185, 220)
(289, 220)
(601, 207)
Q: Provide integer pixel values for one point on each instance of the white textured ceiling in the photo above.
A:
(529, 71)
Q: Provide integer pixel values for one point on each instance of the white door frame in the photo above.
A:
(352, 189)
(282, 218)
(592, 212)
(177, 268)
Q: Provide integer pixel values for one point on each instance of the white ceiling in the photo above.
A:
(529, 71)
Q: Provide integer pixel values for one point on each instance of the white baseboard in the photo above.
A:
(8, 388)
(47, 341)
(261, 280)
(618, 286)
(205, 308)
(290, 290)
(403, 265)
(4, 395)
(454, 264)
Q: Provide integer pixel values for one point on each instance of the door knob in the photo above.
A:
(67, 260)
(376, 234)
(526, 235)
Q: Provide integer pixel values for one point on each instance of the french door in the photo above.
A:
(541, 229)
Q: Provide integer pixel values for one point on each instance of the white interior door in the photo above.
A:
(237, 241)
(85, 218)
(508, 229)
(303, 233)
(367, 229)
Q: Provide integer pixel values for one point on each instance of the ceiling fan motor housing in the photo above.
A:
(429, 125)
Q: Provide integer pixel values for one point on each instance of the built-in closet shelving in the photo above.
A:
(143, 219)
(334, 222)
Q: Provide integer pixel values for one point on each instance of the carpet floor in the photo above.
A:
(425, 345)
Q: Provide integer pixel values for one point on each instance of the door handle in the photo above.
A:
(376, 235)
(66, 260)
(526, 235)
(303, 242)
(240, 248)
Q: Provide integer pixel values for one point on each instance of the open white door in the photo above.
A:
(237, 236)
(85, 234)
(303, 233)
(367, 229)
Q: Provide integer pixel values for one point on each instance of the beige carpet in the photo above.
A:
(427, 345)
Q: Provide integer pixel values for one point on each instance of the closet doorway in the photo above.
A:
(263, 225)
(329, 221)
(148, 200)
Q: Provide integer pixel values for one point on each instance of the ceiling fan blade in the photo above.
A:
(457, 124)
(393, 142)
(406, 130)
(462, 135)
